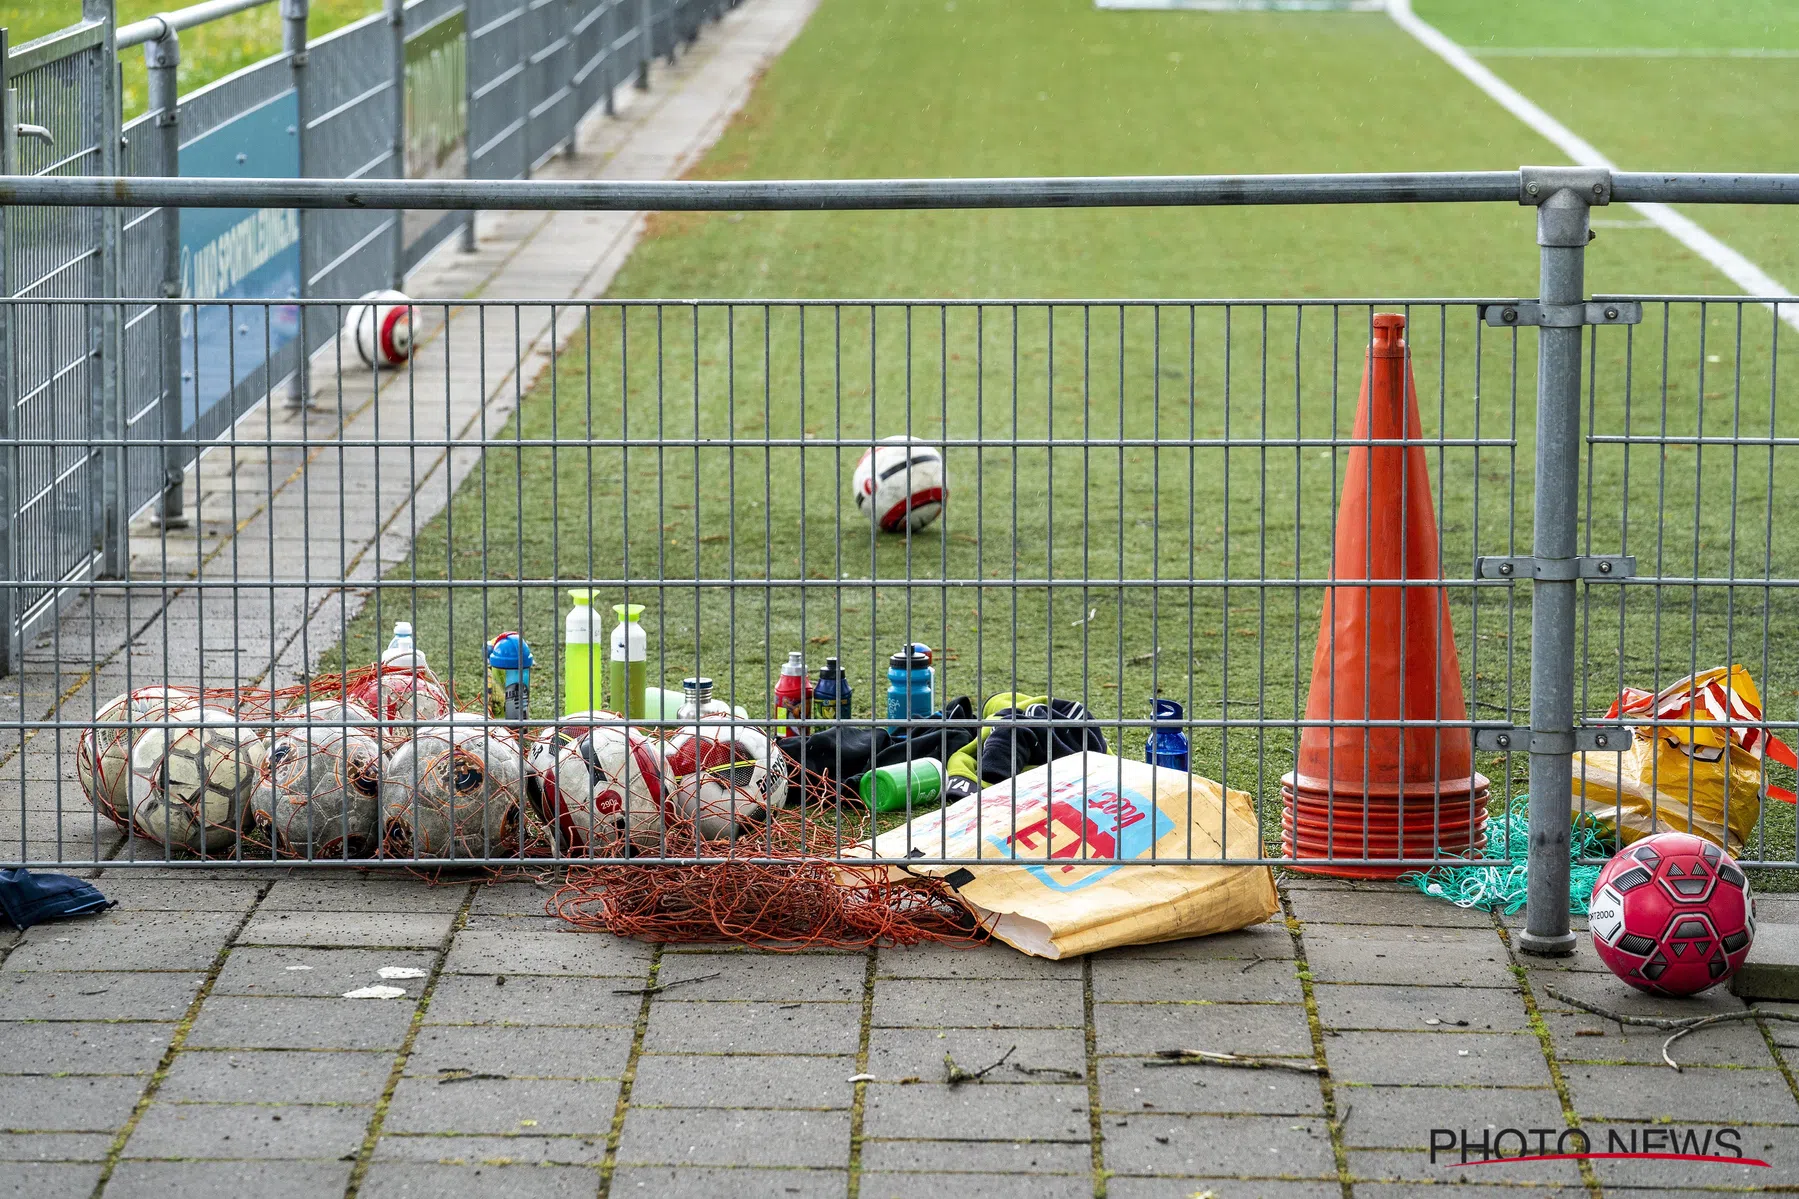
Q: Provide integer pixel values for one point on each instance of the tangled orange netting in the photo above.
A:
(801, 899)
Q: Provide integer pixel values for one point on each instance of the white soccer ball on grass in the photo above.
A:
(899, 483)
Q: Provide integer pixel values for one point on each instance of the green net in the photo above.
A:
(1502, 889)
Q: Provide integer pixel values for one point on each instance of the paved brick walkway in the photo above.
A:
(195, 1041)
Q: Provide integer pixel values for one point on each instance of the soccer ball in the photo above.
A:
(454, 790)
(1672, 914)
(400, 695)
(103, 756)
(899, 483)
(599, 789)
(319, 790)
(380, 325)
(724, 777)
(191, 782)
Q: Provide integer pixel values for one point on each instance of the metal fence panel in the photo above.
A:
(142, 262)
(497, 93)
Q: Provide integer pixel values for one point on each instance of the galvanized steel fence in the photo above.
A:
(1145, 500)
(477, 89)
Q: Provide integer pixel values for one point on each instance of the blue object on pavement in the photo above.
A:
(29, 898)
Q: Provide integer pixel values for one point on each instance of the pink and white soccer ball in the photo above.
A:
(403, 695)
(598, 787)
(899, 483)
(380, 325)
(1671, 914)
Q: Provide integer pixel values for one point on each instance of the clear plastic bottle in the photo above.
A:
(401, 653)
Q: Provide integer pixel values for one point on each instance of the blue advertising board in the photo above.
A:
(238, 253)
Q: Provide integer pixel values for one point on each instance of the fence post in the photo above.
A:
(645, 44)
(396, 24)
(162, 60)
(293, 44)
(8, 449)
(469, 14)
(1563, 197)
(106, 396)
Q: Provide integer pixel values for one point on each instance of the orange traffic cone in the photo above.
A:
(1385, 653)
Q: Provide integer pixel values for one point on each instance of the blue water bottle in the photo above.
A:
(1167, 742)
(910, 686)
(831, 694)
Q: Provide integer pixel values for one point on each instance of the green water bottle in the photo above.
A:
(630, 656)
(580, 684)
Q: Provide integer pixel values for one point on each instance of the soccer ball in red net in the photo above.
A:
(1672, 914)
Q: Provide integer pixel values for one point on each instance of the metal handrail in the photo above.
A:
(154, 29)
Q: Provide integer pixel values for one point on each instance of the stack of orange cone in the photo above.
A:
(1385, 653)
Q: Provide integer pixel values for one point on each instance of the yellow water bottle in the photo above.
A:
(580, 671)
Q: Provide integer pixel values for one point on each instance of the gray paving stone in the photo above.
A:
(1360, 1005)
(228, 1022)
(421, 929)
(165, 895)
(458, 1149)
(714, 1027)
(1401, 1117)
(1124, 1187)
(96, 995)
(1437, 1059)
(248, 1076)
(308, 893)
(984, 1110)
(796, 978)
(1441, 957)
(388, 1180)
(547, 953)
(1609, 992)
(1582, 961)
(1257, 1028)
(715, 1081)
(1690, 1177)
(988, 1186)
(246, 1130)
(511, 899)
(532, 999)
(522, 1052)
(228, 1180)
(977, 1003)
(54, 1146)
(749, 1184)
(1411, 1165)
(1228, 981)
(896, 1053)
(535, 1107)
(1267, 940)
(1067, 1156)
(85, 1047)
(50, 1180)
(327, 973)
(1397, 908)
(1219, 1146)
(716, 1136)
(81, 1103)
(1723, 1045)
(514, 924)
(1698, 1095)
(126, 941)
(1425, 1190)
(1127, 1085)
(989, 961)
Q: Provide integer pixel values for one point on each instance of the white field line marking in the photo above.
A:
(1738, 269)
(1625, 52)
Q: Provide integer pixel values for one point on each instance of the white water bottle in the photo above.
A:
(401, 653)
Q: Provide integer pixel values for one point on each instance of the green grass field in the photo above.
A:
(208, 52)
(982, 87)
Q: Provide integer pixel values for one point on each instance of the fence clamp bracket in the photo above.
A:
(1586, 739)
(1563, 316)
(1613, 568)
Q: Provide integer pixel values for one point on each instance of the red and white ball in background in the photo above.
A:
(899, 483)
(380, 325)
(599, 787)
(402, 695)
(1672, 914)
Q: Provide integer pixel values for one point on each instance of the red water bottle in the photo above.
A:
(793, 696)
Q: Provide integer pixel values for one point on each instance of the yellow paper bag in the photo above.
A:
(1075, 844)
(1700, 778)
